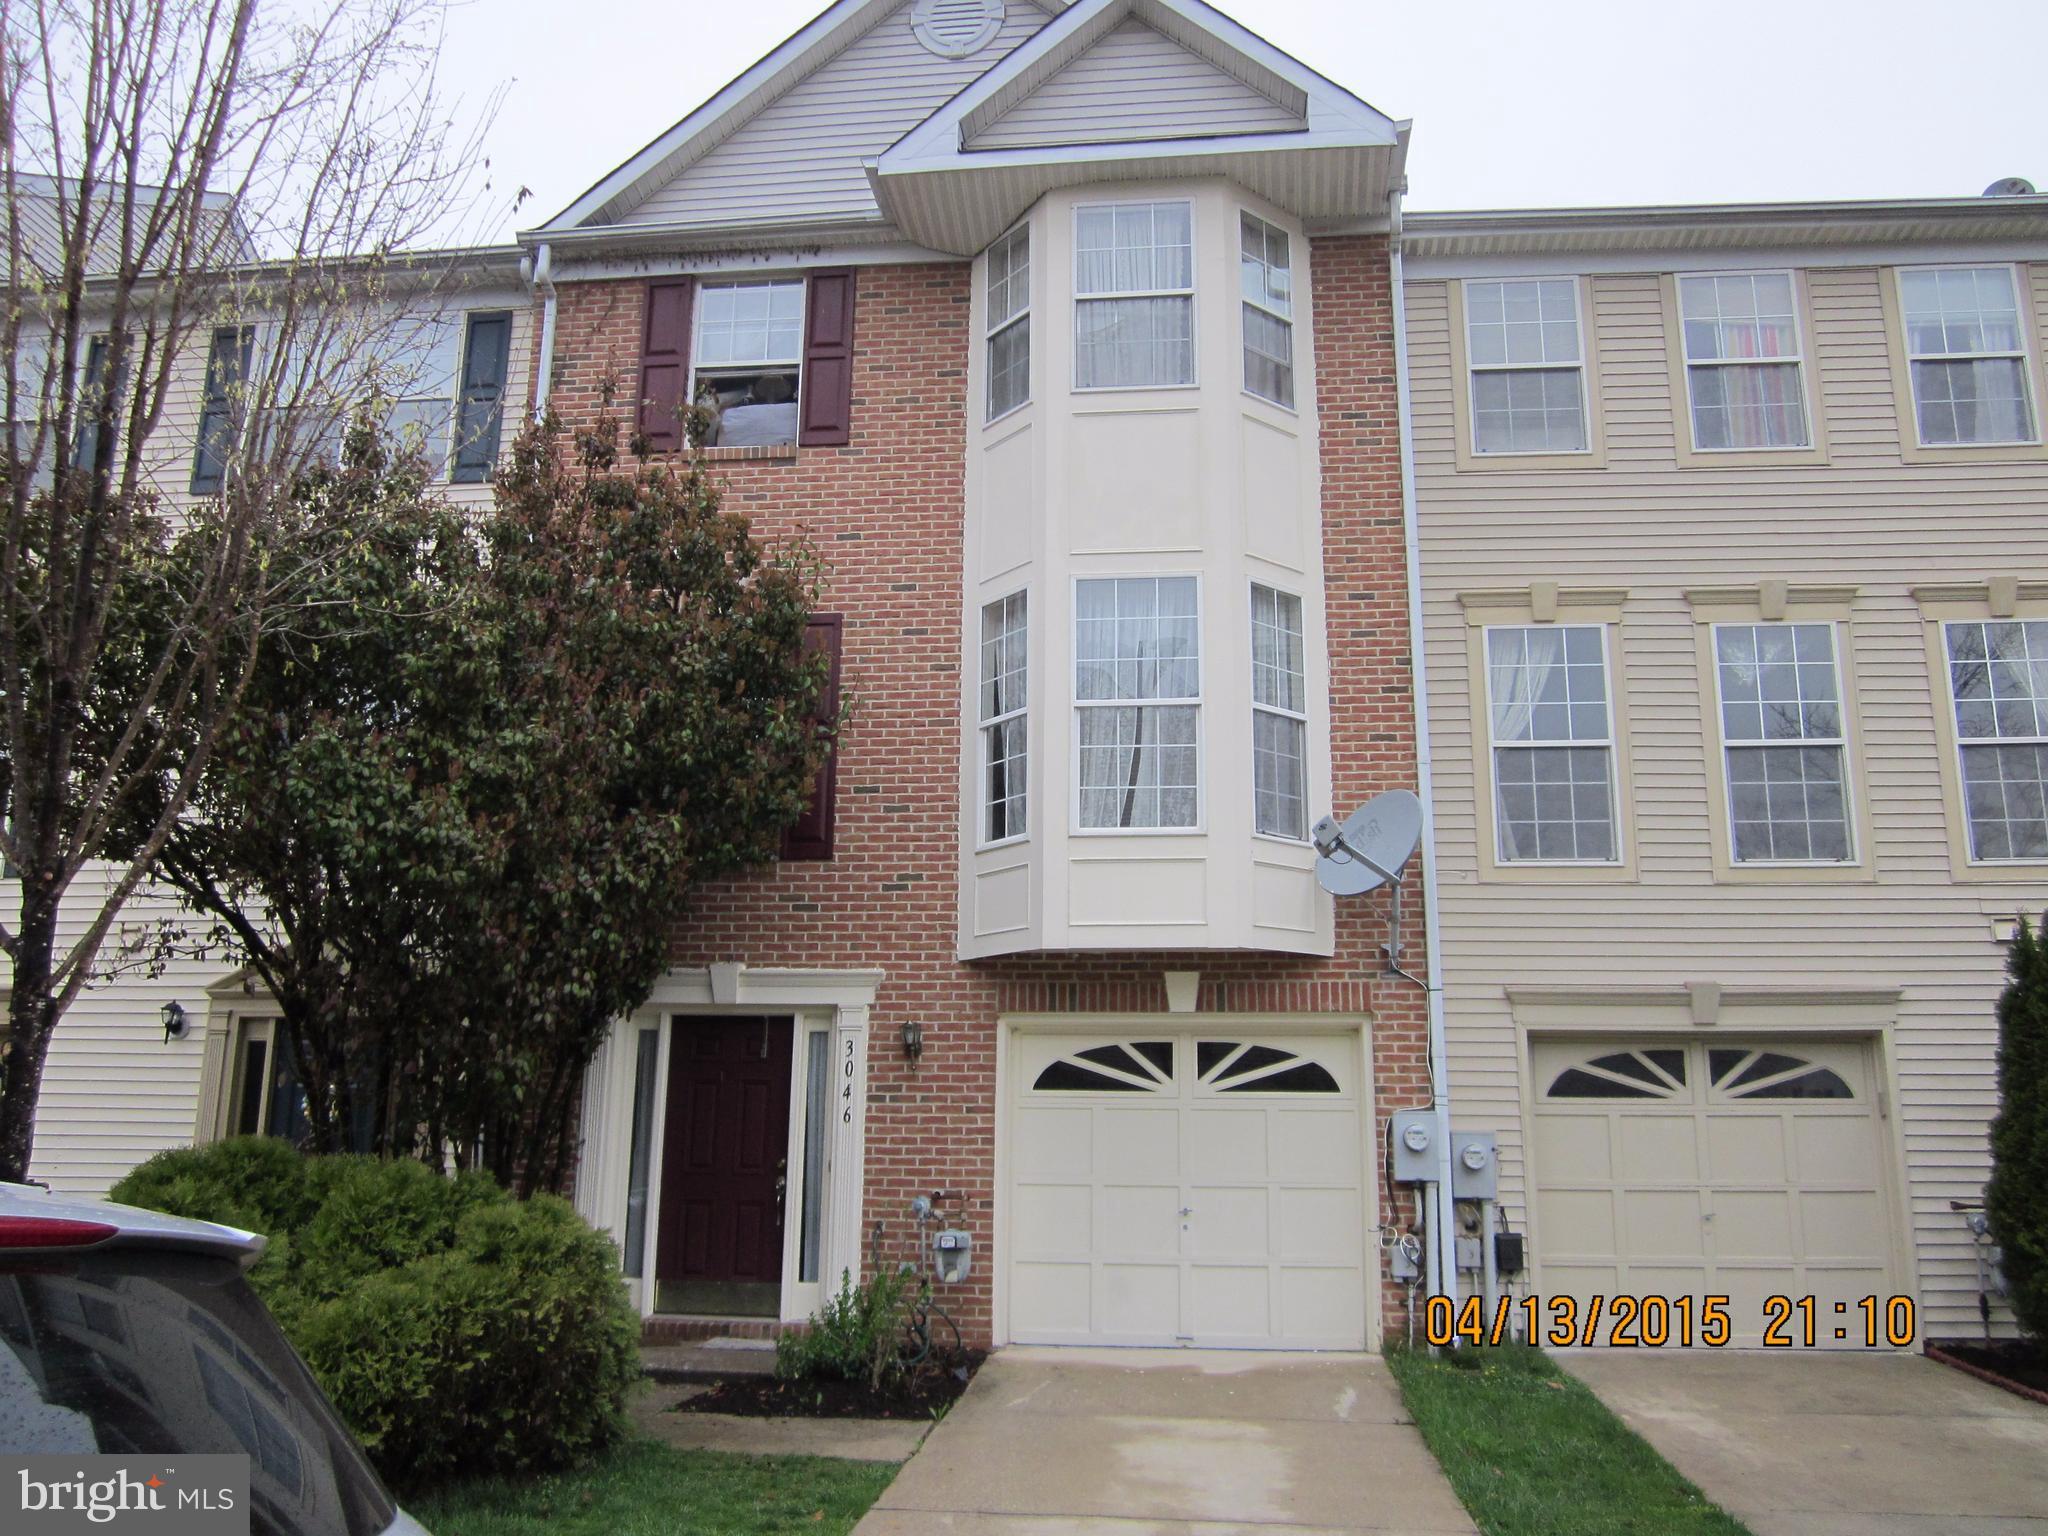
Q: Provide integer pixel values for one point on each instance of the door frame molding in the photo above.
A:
(836, 1003)
(1356, 1026)
(1838, 1015)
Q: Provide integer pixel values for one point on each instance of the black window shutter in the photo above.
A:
(665, 362)
(92, 400)
(486, 360)
(811, 835)
(827, 394)
(227, 364)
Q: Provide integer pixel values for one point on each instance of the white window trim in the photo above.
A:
(1687, 362)
(1243, 342)
(1251, 586)
(984, 731)
(1610, 744)
(1840, 741)
(2023, 306)
(245, 1030)
(1961, 742)
(750, 280)
(1188, 293)
(1583, 367)
(991, 332)
(1197, 703)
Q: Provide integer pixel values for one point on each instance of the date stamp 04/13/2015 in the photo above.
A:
(1654, 1322)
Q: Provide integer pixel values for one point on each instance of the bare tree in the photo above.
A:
(217, 197)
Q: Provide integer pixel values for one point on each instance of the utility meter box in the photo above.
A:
(1475, 1166)
(1415, 1154)
(953, 1251)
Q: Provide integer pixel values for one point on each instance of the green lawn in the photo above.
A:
(1533, 1452)
(647, 1489)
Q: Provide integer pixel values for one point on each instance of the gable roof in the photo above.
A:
(785, 142)
(1252, 113)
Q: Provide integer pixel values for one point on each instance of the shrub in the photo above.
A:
(856, 1336)
(2016, 1199)
(459, 1332)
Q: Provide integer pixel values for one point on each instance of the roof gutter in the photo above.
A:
(1443, 1243)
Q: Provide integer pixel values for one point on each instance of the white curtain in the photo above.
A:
(1521, 664)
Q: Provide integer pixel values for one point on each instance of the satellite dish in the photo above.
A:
(2010, 186)
(1371, 845)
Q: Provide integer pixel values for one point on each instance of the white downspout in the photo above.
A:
(544, 280)
(1443, 1236)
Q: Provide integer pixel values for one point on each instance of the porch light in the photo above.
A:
(913, 1041)
(173, 1015)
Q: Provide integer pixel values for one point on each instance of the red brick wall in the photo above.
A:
(885, 512)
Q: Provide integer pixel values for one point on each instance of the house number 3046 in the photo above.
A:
(846, 1086)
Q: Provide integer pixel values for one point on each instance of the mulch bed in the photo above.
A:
(919, 1395)
(2018, 1365)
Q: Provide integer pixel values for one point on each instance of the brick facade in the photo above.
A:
(885, 513)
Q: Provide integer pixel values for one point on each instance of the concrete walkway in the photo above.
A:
(1172, 1443)
(1836, 1444)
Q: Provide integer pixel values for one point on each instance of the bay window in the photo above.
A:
(1279, 716)
(1004, 727)
(1134, 288)
(1266, 275)
(1009, 322)
(1137, 692)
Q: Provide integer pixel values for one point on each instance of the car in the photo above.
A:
(125, 1331)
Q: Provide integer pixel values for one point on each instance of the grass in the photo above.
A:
(1532, 1452)
(647, 1489)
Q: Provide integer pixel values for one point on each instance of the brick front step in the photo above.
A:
(673, 1328)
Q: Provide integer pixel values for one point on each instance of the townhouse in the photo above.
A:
(1735, 577)
(1086, 343)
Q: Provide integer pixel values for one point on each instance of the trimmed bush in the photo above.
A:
(458, 1331)
(2016, 1199)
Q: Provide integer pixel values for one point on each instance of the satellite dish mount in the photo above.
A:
(1368, 849)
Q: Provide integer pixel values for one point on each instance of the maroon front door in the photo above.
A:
(724, 1166)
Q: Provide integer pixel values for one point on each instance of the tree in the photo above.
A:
(170, 165)
(2016, 1199)
(466, 799)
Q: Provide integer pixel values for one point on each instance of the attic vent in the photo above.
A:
(953, 29)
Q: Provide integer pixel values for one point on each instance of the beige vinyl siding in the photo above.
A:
(1135, 84)
(115, 1092)
(1866, 520)
(168, 456)
(799, 159)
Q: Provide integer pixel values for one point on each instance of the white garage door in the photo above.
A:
(1723, 1168)
(1196, 1188)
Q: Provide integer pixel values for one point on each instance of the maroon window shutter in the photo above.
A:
(811, 836)
(665, 363)
(828, 361)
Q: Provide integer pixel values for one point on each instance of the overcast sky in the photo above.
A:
(1516, 103)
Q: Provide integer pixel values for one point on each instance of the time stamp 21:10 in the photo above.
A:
(1563, 1322)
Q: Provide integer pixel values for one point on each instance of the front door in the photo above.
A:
(724, 1166)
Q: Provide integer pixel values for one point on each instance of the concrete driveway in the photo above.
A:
(1835, 1444)
(1151, 1442)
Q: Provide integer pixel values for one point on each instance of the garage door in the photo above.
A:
(1726, 1168)
(1196, 1188)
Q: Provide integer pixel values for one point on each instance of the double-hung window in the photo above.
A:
(1527, 365)
(1553, 744)
(1004, 728)
(1266, 275)
(228, 358)
(1134, 295)
(1967, 356)
(1782, 733)
(1998, 684)
(1137, 694)
(1009, 322)
(1279, 716)
(1740, 333)
(749, 360)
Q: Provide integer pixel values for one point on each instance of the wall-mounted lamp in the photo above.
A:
(913, 1041)
(175, 1022)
